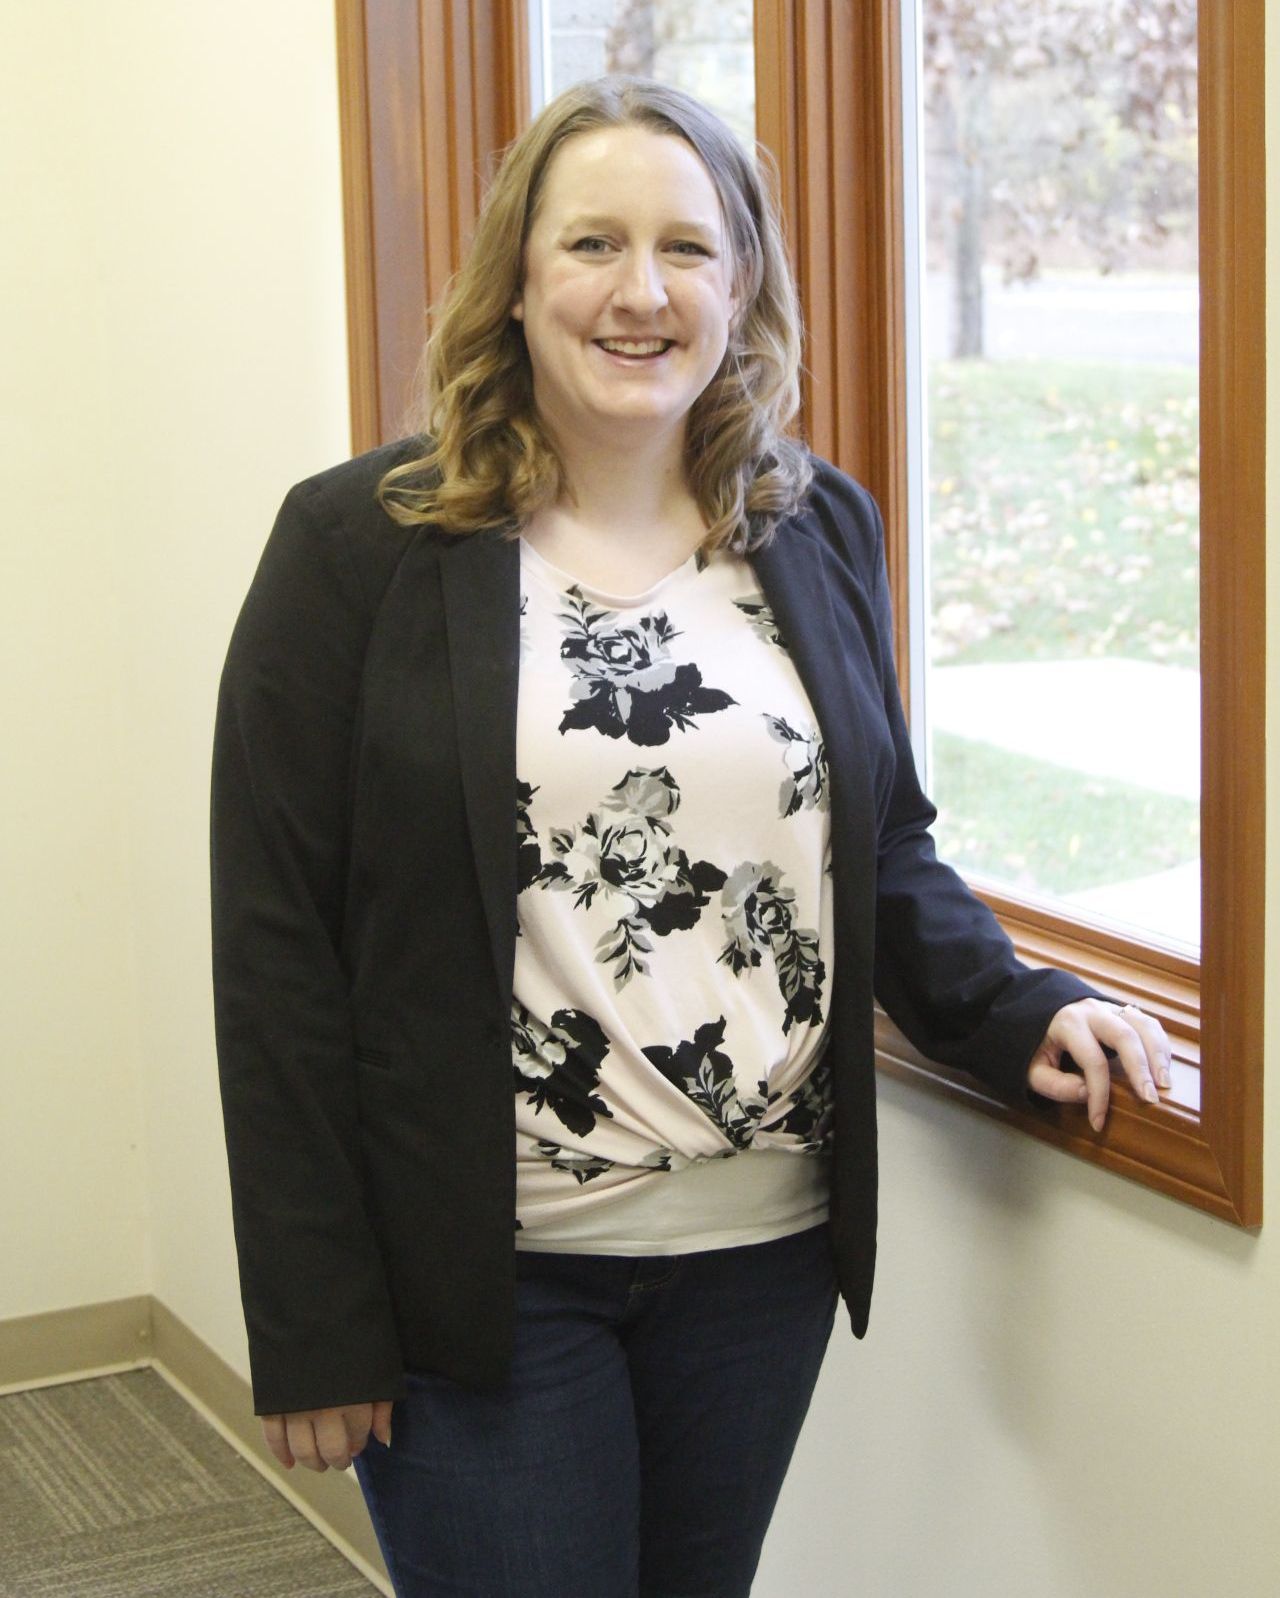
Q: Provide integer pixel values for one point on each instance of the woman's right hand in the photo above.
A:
(318, 1438)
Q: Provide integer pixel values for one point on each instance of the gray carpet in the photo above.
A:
(116, 1488)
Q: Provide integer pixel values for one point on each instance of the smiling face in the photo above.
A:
(628, 244)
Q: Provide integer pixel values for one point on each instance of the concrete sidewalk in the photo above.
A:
(1077, 316)
(1124, 721)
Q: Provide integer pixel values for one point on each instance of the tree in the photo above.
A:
(630, 42)
(1056, 121)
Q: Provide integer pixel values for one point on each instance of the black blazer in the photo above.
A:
(364, 922)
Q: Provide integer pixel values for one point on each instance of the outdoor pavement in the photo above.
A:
(1129, 721)
(1078, 316)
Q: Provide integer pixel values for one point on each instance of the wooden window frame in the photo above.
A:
(429, 92)
(451, 91)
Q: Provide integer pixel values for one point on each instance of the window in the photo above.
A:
(842, 161)
(430, 91)
(702, 46)
(1052, 295)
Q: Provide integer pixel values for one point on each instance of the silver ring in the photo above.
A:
(1129, 1009)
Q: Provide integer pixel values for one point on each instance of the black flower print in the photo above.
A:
(582, 1167)
(812, 1115)
(759, 614)
(623, 853)
(528, 854)
(558, 1067)
(700, 1069)
(624, 680)
(805, 785)
(757, 911)
(652, 796)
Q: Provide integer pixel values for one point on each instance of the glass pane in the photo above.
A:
(703, 46)
(1060, 345)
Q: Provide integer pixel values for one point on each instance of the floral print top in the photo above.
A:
(672, 977)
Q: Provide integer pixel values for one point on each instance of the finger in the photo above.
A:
(382, 1421)
(1120, 1030)
(1086, 1051)
(273, 1433)
(331, 1438)
(357, 1419)
(302, 1440)
(1156, 1042)
(1045, 1078)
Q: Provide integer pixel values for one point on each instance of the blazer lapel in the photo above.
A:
(793, 577)
(480, 575)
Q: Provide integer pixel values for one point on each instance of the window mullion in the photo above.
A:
(917, 432)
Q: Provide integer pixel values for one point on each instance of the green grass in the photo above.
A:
(1041, 828)
(1064, 505)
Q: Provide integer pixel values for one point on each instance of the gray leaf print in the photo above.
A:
(805, 787)
(558, 1067)
(758, 913)
(699, 1067)
(623, 855)
(582, 1167)
(757, 611)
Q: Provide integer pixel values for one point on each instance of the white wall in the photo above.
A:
(72, 1185)
(1069, 1389)
(175, 307)
(228, 322)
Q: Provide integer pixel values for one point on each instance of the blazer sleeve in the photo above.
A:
(945, 970)
(316, 1301)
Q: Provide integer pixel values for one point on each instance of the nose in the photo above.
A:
(640, 287)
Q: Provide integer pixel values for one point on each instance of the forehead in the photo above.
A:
(628, 172)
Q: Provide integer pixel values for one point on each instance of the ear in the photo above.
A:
(517, 308)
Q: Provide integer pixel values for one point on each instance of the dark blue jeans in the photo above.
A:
(641, 1444)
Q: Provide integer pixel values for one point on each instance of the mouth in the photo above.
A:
(634, 352)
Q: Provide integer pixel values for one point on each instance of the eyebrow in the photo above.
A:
(577, 222)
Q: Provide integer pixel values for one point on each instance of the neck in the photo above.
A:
(632, 520)
(622, 488)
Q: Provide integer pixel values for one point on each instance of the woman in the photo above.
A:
(564, 743)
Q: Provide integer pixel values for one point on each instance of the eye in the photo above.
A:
(585, 245)
(691, 244)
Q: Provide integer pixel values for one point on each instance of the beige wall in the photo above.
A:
(174, 326)
(1069, 1390)
(73, 1200)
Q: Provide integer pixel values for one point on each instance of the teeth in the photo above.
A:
(626, 347)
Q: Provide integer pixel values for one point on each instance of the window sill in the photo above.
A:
(1180, 1146)
(1164, 1146)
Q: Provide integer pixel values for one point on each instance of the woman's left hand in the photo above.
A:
(1080, 1030)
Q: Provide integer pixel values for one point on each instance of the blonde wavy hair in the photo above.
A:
(487, 459)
